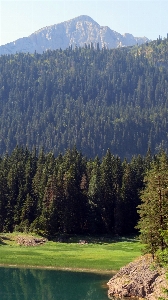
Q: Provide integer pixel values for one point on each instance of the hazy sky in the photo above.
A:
(20, 18)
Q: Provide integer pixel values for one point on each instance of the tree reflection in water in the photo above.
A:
(39, 284)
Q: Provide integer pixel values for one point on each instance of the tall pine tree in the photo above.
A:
(153, 210)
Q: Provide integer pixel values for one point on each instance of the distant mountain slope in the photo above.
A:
(94, 99)
(76, 32)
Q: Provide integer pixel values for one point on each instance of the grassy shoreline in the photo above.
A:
(96, 271)
(97, 255)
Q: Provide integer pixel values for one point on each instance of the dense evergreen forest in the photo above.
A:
(70, 193)
(95, 99)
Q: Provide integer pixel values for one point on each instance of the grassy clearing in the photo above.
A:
(98, 254)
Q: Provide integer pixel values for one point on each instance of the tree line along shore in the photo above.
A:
(70, 193)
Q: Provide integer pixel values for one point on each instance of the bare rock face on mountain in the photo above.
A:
(76, 32)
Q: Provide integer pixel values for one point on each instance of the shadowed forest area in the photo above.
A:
(70, 194)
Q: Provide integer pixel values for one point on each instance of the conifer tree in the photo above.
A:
(108, 197)
(153, 210)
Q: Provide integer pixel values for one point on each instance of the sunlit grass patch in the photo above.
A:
(109, 255)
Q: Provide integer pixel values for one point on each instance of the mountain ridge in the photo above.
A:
(79, 31)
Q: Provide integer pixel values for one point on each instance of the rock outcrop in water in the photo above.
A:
(140, 279)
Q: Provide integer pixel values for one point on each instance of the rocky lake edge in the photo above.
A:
(142, 279)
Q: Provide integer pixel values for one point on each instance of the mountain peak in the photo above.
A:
(74, 32)
(83, 18)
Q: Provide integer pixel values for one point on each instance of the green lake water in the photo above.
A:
(39, 284)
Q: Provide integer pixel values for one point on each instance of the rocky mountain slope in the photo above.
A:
(76, 32)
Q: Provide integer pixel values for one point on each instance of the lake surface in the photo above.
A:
(37, 284)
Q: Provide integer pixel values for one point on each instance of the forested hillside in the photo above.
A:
(94, 99)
